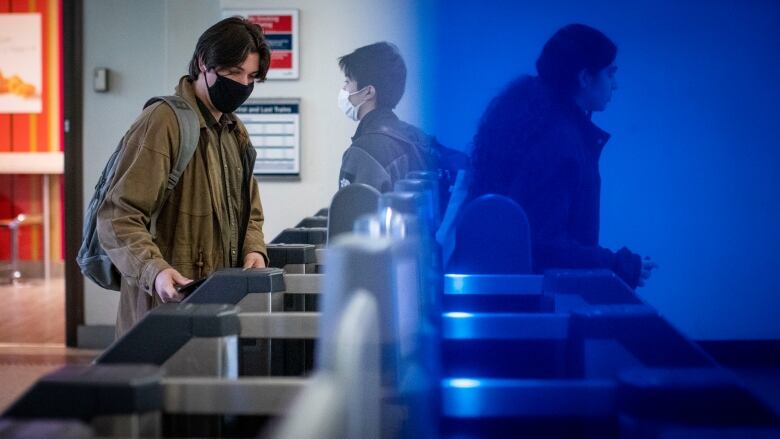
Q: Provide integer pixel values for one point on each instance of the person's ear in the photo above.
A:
(370, 92)
(584, 78)
(201, 65)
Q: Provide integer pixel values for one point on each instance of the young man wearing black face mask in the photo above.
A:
(213, 217)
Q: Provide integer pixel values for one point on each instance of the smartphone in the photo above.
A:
(186, 290)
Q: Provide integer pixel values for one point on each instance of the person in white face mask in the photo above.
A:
(384, 148)
(346, 105)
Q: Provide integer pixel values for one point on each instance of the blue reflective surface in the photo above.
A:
(493, 284)
(691, 175)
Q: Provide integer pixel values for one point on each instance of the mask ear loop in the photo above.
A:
(202, 67)
(360, 91)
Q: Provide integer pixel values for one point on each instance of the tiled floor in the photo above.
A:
(22, 364)
(32, 335)
(33, 312)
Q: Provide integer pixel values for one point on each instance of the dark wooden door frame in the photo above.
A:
(72, 66)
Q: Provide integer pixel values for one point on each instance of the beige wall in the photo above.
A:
(147, 45)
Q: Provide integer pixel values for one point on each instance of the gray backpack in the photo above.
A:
(92, 259)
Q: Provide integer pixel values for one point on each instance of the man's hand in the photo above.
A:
(647, 269)
(254, 260)
(166, 282)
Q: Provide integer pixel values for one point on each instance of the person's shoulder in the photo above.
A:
(155, 128)
(158, 111)
(412, 132)
(357, 160)
(524, 105)
(382, 147)
(157, 115)
(525, 90)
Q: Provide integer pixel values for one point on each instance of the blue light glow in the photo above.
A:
(463, 383)
(458, 315)
(456, 283)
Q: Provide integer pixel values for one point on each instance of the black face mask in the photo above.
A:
(227, 94)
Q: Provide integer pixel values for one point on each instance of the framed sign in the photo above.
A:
(21, 63)
(275, 130)
(281, 31)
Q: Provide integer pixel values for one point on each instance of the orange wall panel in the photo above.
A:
(21, 5)
(6, 211)
(5, 119)
(5, 132)
(35, 133)
(20, 133)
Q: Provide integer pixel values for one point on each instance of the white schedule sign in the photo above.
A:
(274, 127)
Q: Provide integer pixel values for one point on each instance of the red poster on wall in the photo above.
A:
(281, 31)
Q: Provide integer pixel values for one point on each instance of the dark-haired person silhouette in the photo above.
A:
(536, 143)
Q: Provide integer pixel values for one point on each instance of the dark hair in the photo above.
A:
(515, 119)
(380, 65)
(571, 49)
(228, 43)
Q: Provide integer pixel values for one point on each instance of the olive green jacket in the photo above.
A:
(193, 229)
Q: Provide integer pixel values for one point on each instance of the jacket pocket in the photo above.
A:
(195, 203)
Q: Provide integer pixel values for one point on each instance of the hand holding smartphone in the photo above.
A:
(186, 290)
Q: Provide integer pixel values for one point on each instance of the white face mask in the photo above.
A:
(346, 106)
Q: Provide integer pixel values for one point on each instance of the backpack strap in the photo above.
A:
(389, 132)
(189, 134)
(419, 151)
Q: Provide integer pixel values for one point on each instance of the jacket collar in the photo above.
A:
(374, 119)
(595, 137)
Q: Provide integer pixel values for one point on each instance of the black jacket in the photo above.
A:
(545, 156)
(378, 157)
